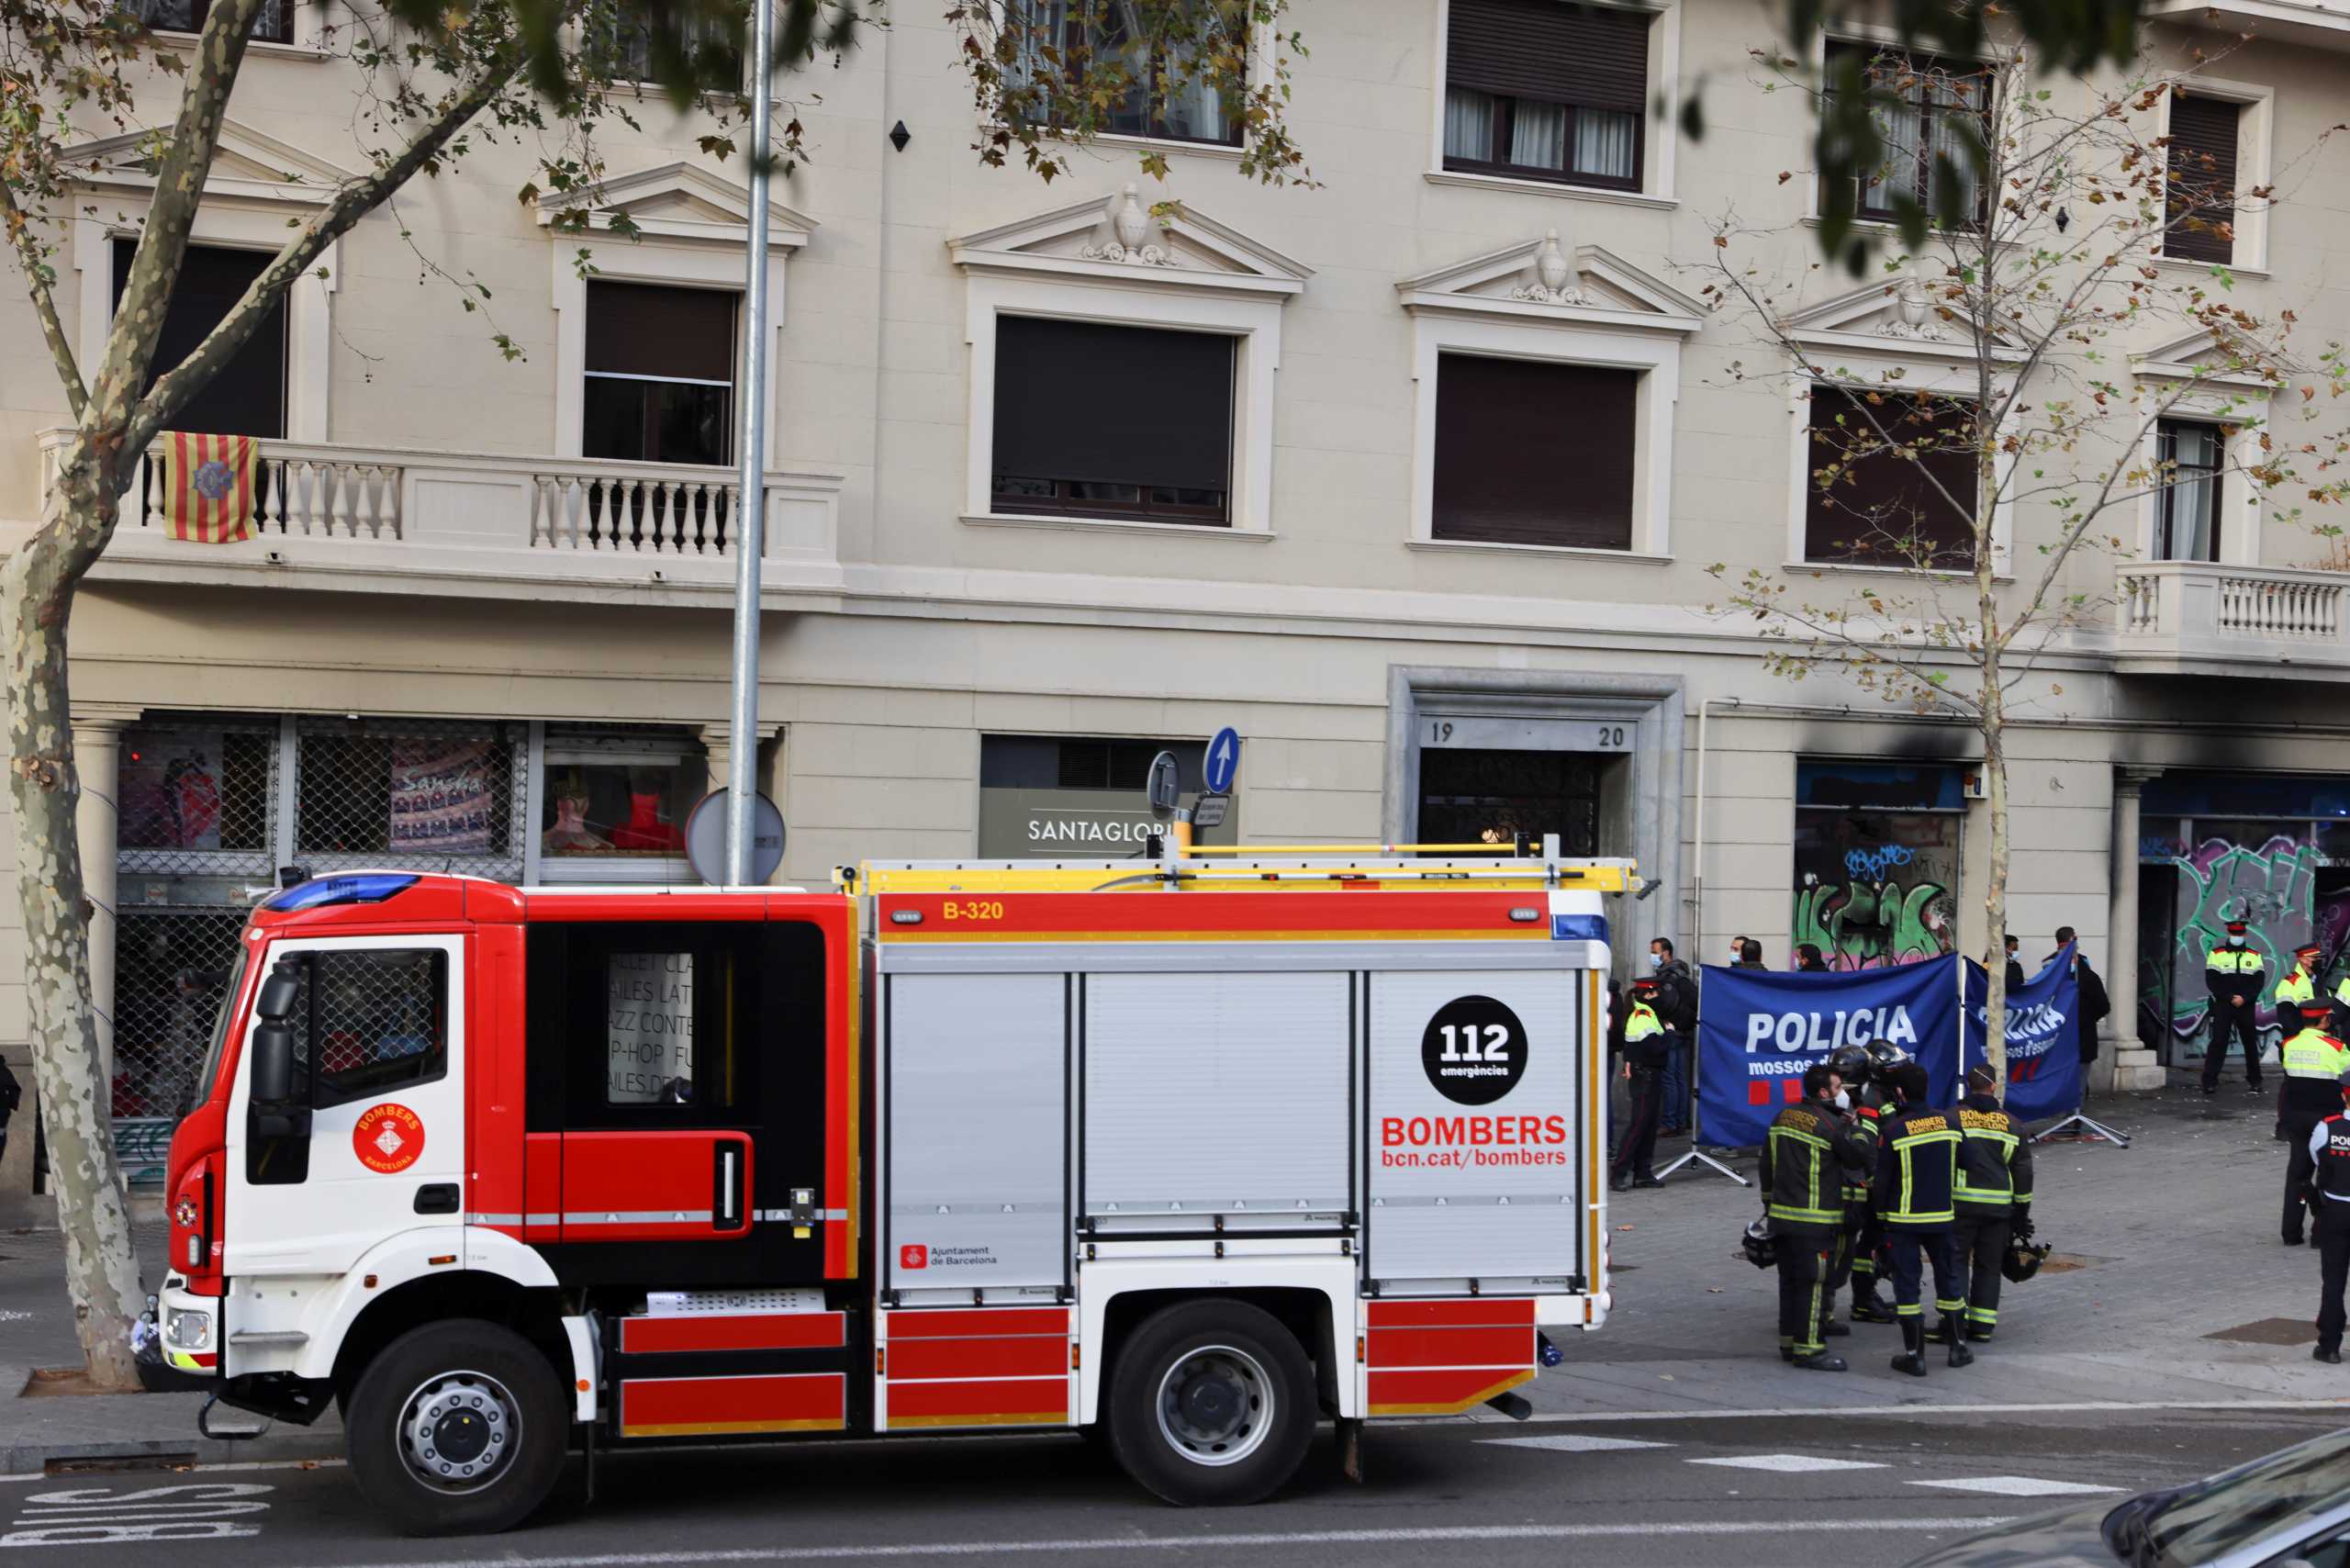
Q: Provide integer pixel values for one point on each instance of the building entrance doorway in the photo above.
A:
(1490, 796)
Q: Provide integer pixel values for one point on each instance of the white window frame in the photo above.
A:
(2216, 398)
(1661, 130)
(309, 299)
(1655, 358)
(682, 253)
(1869, 372)
(550, 752)
(2256, 138)
(313, 27)
(1262, 46)
(1868, 33)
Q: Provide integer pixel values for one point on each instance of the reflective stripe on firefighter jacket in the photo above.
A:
(1917, 1168)
(1861, 1164)
(1802, 1171)
(1994, 1162)
(2314, 1062)
(2297, 987)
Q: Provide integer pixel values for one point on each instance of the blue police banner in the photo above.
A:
(2043, 1054)
(1757, 1029)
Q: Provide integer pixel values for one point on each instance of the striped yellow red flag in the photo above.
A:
(208, 485)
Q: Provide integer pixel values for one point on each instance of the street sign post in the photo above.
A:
(1208, 810)
(1164, 786)
(1222, 763)
(709, 844)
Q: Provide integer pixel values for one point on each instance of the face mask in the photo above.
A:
(1656, 960)
(1843, 1099)
(2236, 941)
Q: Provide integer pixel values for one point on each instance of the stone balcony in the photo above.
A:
(2313, 24)
(2193, 617)
(342, 518)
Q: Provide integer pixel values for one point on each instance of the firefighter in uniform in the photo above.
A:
(2329, 1152)
(1917, 1183)
(1855, 1099)
(2234, 973)
(1868, 1244)
(1644, 1047)
(1994, 1196)
(1802, 1177)
(2313, 1062)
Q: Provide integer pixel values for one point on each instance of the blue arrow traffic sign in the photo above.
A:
(1223, 761)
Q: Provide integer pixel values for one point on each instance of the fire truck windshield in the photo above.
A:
(212, 1053)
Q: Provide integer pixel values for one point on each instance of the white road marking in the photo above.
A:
(1570, 1442)
(1907, 1412)
(2017, 1487)
(1192, 1543)
(31, 1476)
(110, 1515)
(1788, 1464)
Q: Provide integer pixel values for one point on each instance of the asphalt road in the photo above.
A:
(1756, 1492)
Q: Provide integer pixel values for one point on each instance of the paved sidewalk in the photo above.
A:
(2176, 1239)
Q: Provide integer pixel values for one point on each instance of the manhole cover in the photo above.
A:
(2269, 1331)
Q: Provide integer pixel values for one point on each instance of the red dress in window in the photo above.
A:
(645, 829)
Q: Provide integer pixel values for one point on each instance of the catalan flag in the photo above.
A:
(208, 485)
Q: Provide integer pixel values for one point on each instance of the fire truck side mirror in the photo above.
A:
(273, 1041)
(276, 1003)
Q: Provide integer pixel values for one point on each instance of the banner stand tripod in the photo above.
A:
(1697, 1128)
(2080, 1124)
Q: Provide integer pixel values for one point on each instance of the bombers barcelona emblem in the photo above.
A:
(388, 1139)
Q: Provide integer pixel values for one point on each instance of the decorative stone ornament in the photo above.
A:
(1124, 234)
(1551, 279)
(1913, 315)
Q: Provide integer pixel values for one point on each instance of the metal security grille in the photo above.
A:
(198, 799)
(171, 972)
(366, 1023)
(411, 792)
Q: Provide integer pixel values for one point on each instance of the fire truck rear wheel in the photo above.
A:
(458, 1428)
(1211, 1404)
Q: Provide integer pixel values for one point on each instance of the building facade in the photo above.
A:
(1414, 477)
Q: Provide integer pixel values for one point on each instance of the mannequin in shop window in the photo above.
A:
(571, 835)
(648, 829)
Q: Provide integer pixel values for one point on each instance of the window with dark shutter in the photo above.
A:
(1882, 476)
(1094, 421)
(2201, 191)
(247, 396)
(660, 373)
(1529, 452)
(1932, 114)
(1546, 89)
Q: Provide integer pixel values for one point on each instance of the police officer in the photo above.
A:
(2297, 989)
(2234, 973)
(1645, 1043)
(1916, 1182)
(2314, 1061)
(1994, 1196)
(1851, 1066)
(1801, 1175)
(2329, 1152)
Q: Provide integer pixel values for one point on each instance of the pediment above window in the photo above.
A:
(1549, 279)
(676, 201)
(1899, 318)
(2213, 360)
(247, 164)
(1118, 239)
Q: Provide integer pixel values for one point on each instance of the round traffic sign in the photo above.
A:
(706, 839)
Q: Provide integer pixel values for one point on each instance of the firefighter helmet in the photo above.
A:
(1760, 1247)
(2023, 1260)
(1884, 1058)
(1851, 1064)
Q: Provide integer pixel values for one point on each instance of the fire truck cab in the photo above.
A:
(1197, 1151)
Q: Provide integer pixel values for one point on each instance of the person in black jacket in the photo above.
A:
(1916, 1182)
(1802, 1177)
(12, 1095)
(2093, 1006)
(2015, 967)
(1808, 961)
(1677, 1005)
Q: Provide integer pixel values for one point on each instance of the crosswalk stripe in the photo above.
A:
(1788, 1464)
(1570, 1442)
(2017, 1487)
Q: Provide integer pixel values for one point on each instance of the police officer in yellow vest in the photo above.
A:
(2314, 1062)
(1645, 1045)
(2235, 974)
(2299, 988)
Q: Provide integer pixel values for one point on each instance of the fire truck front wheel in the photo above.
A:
(458, 1428)
(1211, 1404)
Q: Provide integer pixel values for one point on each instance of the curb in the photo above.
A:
(293, 1445)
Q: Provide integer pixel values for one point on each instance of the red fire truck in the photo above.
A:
(1196, 1151)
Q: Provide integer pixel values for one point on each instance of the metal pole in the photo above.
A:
(750, 531)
